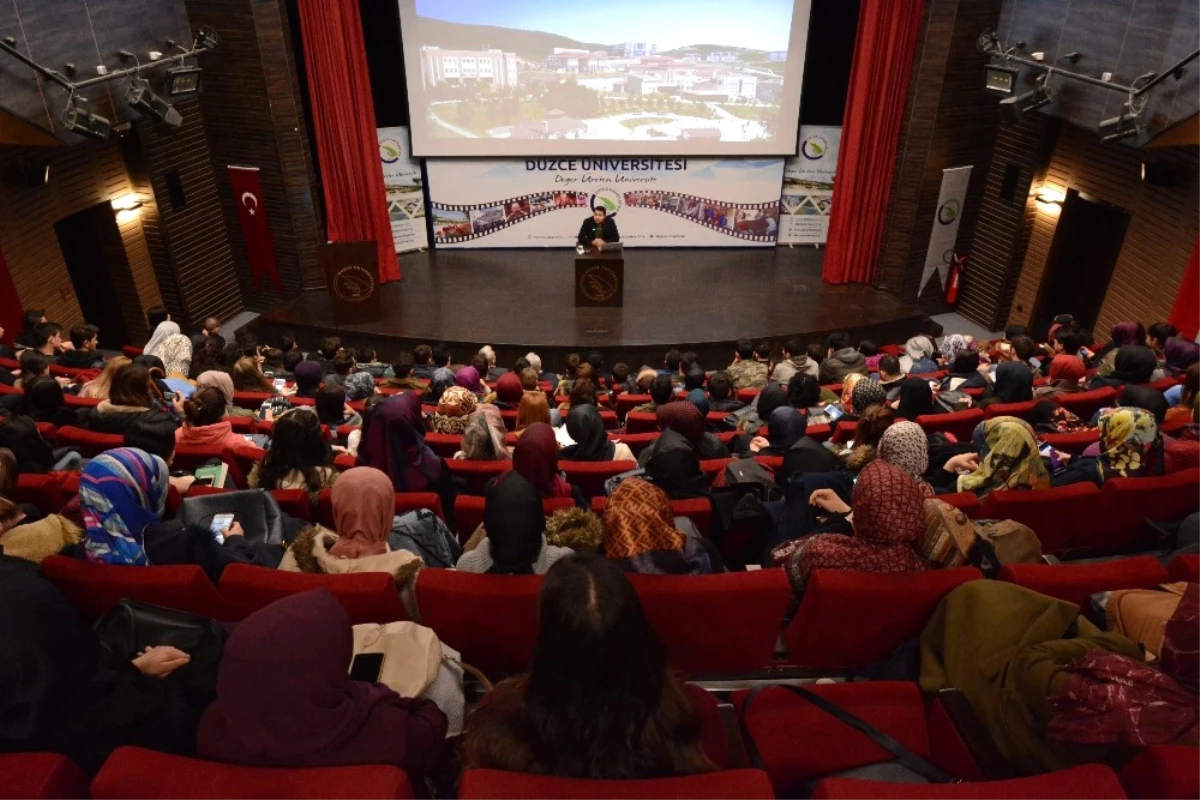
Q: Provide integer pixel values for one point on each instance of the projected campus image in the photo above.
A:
(632, 71)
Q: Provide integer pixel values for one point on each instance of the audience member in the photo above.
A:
(687, 419)
(918, 356)
(47, 340)
(1179, 355)
(34, 366)
(299, 456)
(694, 379)
(404, 375)
(29, 322)
(210, 327)
(308, 375)
(163, 330)
(1014, 383)
(206, 423)
(342, 365)
(1006, 457)
(964, 372)
(532, 409)
(454, 411)
(328, 351)
(509, 390)
(491, 372)
(1123, 334)
(98, 387)
(468, 378)
(890, 375)
(511, 540)
(85, 341)
(641, 534)
(208, 355)
(354, 439)
(536, 458)
(484, 436)
(423, 362)
(591, 443)
(132, 399)
(795, 360)
(247, 377)
(720, 393)
(332, 410)
(745, 372)
(367, 360)
(915, 399)
(1158, 334)
(359, 386)
(662, 390)
(44, 402)
(1132, 364)
(395, 443)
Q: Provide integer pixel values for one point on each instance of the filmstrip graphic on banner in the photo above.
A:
(951, 198)
(403, 186)
(655, 202)
(808, 186)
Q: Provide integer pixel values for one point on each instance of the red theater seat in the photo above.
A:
(43, 776)
(590, 476)
(843, 432)
(444, 444)
(43, 491)
(628, 402)
(95, 588)
(1185, 568)
(242, 425)
(637, 442)
(90, 443)
(849, 620)
(1010, 409)
(469, 508)
(724, 624)
(478, 784)
(133, 773)
(697, 509)
(1076, 783)
(1074, 443)
(960, 424)
(1055, 515)
(477, 473)
(251, 400)
(366, 596)
(490, 619)
(1076, 583)
(641, 422)
(1126, 503)
(404, 502)
(189, 459)
(967, 502)
(1085, 404)
(74, 401)
(1170, 771)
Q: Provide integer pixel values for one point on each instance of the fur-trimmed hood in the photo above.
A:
(310, 553)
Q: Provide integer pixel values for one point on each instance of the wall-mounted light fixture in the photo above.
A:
(1049, 198)
(126, 206)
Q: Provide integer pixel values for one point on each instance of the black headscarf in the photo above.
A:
(1146, 398)
(770, 398)
(674, 467)
(785, 427)
(1014, 383)
(586, 429)
(514, 521)
(1133, 364)
(916, 398)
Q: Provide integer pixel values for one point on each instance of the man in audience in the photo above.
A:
(290, 359)
(720, 393)
(596, 359)
(47, 340)
(29, 322)
(694, 379)
(620, 377)
(155, 316)
(662, 390)
(493, 372)
(85, 340)
(34, 365)
(343, 365)
(672, 361)
(1026, 350)
(1157, 335)
(367, 360)
(423, 366)
(890, 376)
(403, 376)
(840, 359)
(746, 372)
(330, 347)
(441, 356)
(210, 327)
(794, 360)
(529, 379)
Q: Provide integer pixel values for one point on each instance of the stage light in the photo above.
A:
(1013, 108)
(139, 96)
(1049, 197)
(988, 42)
(78, 118)
(183, 82)
(1001, 80)
(1128, 124)
(206, 38)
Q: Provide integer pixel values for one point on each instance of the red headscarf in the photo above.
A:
(682, 417)
(363, 507)
(509, 389)
(536, 459)
(1067, 368)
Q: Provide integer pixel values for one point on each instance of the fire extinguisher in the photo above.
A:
(957, 265)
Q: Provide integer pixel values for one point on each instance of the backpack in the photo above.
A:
(747, 470)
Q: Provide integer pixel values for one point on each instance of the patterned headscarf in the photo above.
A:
(442, 380)
(1049, 417)
(683, 417)
(905, 446)
(1008, 458)
(867, 392)
(160, 334)
(176, 354)
(1129, 442)
(121, 492)
(468, 378)
(638, 520)
(484, 438)
(359, 385)
(848, 384)
(918, 347)
(956, 343)
(454, 408)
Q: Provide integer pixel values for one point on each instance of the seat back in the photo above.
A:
(1126, 504)
(967, 502)
(133, 773)
(1074, 443)
(843, 432)
(90, 443)
(293, 502)
(628, 402)
(1010, 409)
(490, 619)
(1185, 567)
(1085, 404)
(469, 508)
(366, 596)
(43, 491)
(1163, 770)
(641, 422)
(637, 442)
(848, 620)
(189, 459)
(590, 476)
(476, 474)
(1076, 583)
(1055, 515)
(251, 400)
(42, 776)
(960, 424)
(444, 444)
(741, 613)
(487, 783)
(75, 402)
(95, 588)
(1090, 781)
(697, 509)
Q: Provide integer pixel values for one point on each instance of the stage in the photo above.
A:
(517, 300)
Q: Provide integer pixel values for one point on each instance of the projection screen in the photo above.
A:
(621, 77)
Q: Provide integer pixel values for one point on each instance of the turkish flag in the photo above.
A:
(10, 304)
(1185, 314)
(252, 213)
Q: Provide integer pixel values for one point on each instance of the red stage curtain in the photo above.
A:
(10, 304)
(344, 119)
(1185, 313)
(883, 61)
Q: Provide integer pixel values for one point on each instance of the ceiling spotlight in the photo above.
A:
(206, 38)
(1013, 108)
(139, 96)
(183, 82)
(77, 117)
(1128, 124)
(988, 42)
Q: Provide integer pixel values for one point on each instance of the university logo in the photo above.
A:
(352, 283)
(390, 151)
(949, 211)
(598, 283)
(607, 199)
(814, 147)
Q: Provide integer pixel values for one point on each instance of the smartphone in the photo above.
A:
(249, 437)
(280, 383)
(1034, 362)
(169, 397)
(220, 524)
(366, 667)
(834, 412)
(1046, 450)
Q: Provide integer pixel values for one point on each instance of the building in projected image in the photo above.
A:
(636, 49)
(459, 67)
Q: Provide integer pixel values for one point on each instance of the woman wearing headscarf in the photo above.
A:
(221, 381)
(915, 399)
(888, 515)
(359, 385)
(395, 444)
(509, 390)
(866, 392)
(285, 698)
(1066, 374)
(964, 373)
(787, 437)
(308, 375)
(160, 335)
(122, 497)
(1179, 354)
(954, 345)
(533, 408)
(1182, 406)
(514, 525)
(641, 535)
(1007, 458)
(906, 447)
(484, 437)
(591, 443)
(1133, 365)
(688, 419)
(442, 380)
(1014, 383)
(1049, 417)
(1123, 334)
(62, 692)
(454, 411)
(918, 356)
(536, 459)
(468, 378)
(1130, 446)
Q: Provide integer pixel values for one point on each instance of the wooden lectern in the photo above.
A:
(600, 279)
(352, 277)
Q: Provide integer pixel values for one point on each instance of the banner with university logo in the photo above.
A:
(655, 202)
(808, 186)
(256, 231)
(951, 198)
(403, 187)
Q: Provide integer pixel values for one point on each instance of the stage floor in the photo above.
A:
(702, 299)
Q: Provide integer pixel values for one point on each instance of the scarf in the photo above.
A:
(395, 444)
(442, 380)
(363, 508)
(160, 335)
(586, 429)
(1126, 333)
(1014, 383)
(1133, 364)
(176, 354)
(484, 438)
(905, 446)
(638, 520)
(956, 343)
(359, 385)
(221, 381)
(683, 417)
(918, 348)
(514, 523)
(468, 378)
(1180, 354)
(1049, 417)
(1008, 458)
(509, 389)
(785, 428)
(121, 492)
(456, 403)
(867, 392)
(916, 398)
(673, 465)
(1129, 443)
(308, 375)
(536, 459)
(1067, 368)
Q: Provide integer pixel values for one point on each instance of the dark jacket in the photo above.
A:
(19, 433)
(837, 366)
(80, 359)
(107, 418)
(606, 230)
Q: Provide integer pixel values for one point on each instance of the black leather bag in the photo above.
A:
(255, 509)
(132, 626)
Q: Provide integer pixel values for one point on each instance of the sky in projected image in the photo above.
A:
(755, 24)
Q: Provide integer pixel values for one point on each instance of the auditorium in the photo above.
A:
(649, 398)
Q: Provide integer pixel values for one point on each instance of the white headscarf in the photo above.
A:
(163, 330)
(176, 354)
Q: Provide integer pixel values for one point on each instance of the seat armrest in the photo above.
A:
(989, 759)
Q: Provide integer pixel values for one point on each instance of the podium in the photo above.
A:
(352, 277)
(600, 279)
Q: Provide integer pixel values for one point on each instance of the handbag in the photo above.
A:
(131, 626)
(412, 654)
(255, 509)
(905, 757)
